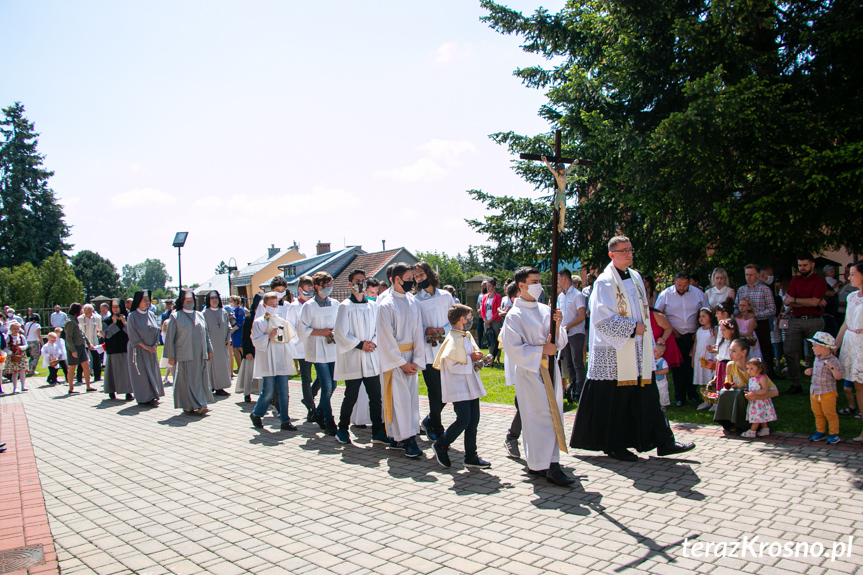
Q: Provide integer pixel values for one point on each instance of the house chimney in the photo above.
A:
(323, 248)
(272, 250)
(384, 242)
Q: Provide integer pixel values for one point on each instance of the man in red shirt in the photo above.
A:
(806, 299)
(489, 310)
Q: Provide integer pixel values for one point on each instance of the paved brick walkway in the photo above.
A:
(140, 490)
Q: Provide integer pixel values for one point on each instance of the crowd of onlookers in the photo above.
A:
(782, 323)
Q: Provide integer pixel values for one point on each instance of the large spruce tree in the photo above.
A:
(720, 131)
(32, 225)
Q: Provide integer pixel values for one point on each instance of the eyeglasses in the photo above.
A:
(626, 251)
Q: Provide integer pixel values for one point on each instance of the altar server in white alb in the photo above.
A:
(401, 343)
(526, 339)
(434, 306)
(461, 384)
(358, 364)
(317, 321)
(271, 335)
(619, 408)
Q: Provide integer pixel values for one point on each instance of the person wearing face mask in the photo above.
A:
(143, 331)
(434, 307)
(247, 384)
(620, 407)
(805, 297)
(116, 344)
(461, 385)
(219, 330)
(358, 364)
(284, 309)
(315, 329)
(188, 348)
(401, 344)
(526, 340)
(271, 335)
(361, 414)
(305, 294)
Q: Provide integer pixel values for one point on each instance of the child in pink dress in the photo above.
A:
(760, 410)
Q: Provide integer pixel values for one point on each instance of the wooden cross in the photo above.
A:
(555, 237)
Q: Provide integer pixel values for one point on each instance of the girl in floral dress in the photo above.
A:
(760, 410)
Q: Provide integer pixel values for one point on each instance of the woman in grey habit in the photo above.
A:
(143, 331)
(219, 328)
(188, 349)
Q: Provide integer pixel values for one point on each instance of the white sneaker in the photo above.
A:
(763, 431)
(712, 408)
(748, 434)
(703, 405)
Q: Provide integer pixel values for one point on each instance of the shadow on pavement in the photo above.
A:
(181, 420)
(572, 500)
(466, 481)
(654, 475)
(135, 409)
(415, 468)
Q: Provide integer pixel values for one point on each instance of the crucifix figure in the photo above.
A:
(560, 173)
(559, 207)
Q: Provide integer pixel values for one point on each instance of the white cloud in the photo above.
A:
(424, 170)
(142, 197)
(448, 150)
(451, 52)
(319, 200)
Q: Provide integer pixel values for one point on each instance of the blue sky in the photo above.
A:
(257, 123)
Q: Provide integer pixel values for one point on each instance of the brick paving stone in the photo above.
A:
(276, 502)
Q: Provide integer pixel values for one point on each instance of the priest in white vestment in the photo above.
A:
(525, 337)
(401, 344)
(619, 407)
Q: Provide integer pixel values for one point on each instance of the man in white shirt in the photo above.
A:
(58, 318)
(572, 304)
(681, 302)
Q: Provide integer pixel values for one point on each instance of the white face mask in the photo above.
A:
(769, 280)
(325, 292)
(271, 309)
(281, 294)
(535, 290)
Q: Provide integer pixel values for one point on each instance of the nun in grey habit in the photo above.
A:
(116, 349)
(219, 328)
(188, 349)
(143, 331)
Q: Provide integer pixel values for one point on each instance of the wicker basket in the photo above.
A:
(709, 393)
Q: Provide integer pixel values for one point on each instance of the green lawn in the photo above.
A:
(794, 412)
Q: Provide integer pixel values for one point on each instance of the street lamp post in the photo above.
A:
(231, 270)
(179, 242)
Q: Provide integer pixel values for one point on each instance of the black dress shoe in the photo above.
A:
(129, 397)
(540, 473)
(221, 392)
(622, 455)
(794, 390)
(556, 476)
(112, 396)
(247, 398)
(256, 421)
(288, 426)
(330, 428)
(675, 448)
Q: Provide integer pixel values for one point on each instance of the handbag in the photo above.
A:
(784, 322)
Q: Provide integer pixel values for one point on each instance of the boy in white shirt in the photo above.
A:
(54, 357)
(271, 335)
(461, 385)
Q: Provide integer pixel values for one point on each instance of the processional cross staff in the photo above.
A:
(556, 165)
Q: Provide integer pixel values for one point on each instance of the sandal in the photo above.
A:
(847, 411)
(858, 415)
